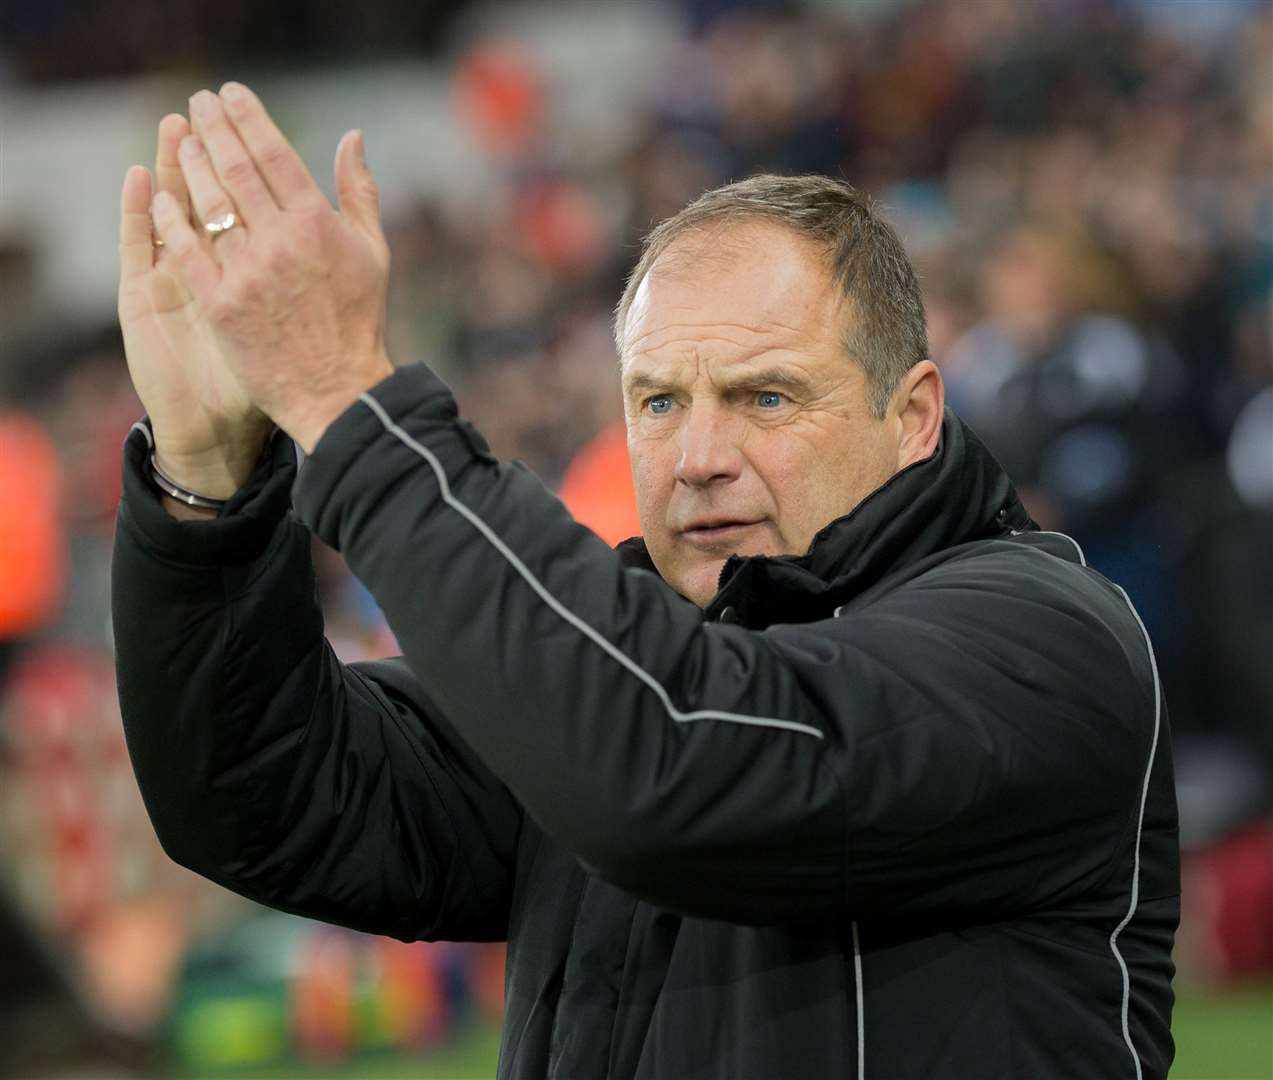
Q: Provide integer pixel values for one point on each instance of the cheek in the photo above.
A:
(812, 488)
(651, 477)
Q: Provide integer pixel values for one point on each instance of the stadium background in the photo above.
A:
(1084, 186)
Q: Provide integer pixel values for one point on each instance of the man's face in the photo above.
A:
(748, 427)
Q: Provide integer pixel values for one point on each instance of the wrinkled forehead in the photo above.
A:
(741, 283)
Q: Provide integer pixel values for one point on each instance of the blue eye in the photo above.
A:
(659, 406)
(769, 399)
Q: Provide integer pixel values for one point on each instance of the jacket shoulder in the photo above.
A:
(1027, 598)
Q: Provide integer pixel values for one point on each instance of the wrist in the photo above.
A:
(215, 473)
(307, 421)
(182, 512)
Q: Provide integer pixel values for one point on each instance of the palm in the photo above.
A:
(174, 362)
(194, 403)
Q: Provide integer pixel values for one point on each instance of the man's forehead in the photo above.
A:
(746, 282)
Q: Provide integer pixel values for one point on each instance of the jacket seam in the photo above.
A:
(1127, 834)
(859, 985)
(396, 721)
(1134, 898)
(1134, 901)
(623, 987)
(565, 967)
(859, 992)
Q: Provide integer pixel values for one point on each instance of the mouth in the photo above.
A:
(719, 531)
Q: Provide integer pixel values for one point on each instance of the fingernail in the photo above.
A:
(190, 147)
(233, 91)
(201, 103)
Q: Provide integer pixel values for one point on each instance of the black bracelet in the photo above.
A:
(170, 487)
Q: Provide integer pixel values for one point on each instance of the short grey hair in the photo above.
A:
(886, 332)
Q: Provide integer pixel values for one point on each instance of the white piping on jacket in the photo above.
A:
(560, 609)
(1140, 820)
(1063, 536)
(144, 428)
(857, 980)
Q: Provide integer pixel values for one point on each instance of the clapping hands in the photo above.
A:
(277, 317)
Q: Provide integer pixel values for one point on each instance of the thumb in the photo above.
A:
(356, 187)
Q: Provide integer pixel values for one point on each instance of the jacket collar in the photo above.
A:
(960, 493)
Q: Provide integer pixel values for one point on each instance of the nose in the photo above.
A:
(709, 447)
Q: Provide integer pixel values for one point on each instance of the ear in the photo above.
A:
(917, 408)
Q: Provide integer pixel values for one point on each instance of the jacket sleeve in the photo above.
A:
(927, 754)
(332, 791)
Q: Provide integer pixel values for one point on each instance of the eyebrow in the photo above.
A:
(770, 376)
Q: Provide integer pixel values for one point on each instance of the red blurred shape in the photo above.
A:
(32, 544)
(597, 487)
(561, 227)
(499, 94)
(1229, 898)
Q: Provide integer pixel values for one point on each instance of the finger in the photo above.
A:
(172, 129)
(229, 158)
(356, 187)
(193, 264)
(210, 201)
(136, 235)
(278, 163)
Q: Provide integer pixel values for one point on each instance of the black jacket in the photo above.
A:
(899, 808)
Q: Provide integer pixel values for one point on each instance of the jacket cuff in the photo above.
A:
(240, 533)
(360, 453)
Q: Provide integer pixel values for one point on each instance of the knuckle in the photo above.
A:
(239, 170)
(275, 155)
(249, 279)
(309, 229)
(223, 310)
(314, 215)
(279, 255)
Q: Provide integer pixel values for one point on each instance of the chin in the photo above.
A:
(700, 584)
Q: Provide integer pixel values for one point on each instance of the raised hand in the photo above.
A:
(294, 293)
(208, 433)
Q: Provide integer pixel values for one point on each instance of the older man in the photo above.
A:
(844, 769)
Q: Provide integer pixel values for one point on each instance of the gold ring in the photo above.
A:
(223, 224)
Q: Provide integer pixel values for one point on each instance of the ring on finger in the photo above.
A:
(222, 224)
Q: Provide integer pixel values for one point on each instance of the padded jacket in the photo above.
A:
(900, 807)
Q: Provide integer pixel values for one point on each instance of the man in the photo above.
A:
(873, 782)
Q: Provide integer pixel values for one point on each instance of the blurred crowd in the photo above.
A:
(1085, 188)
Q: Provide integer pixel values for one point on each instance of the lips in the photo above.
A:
(711, 531)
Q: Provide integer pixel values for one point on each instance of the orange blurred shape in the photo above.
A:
(487, 972)
(499, 94)
(597, 487)
(560, 223)
(322, 995)
(411, 993)
(32, 544)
